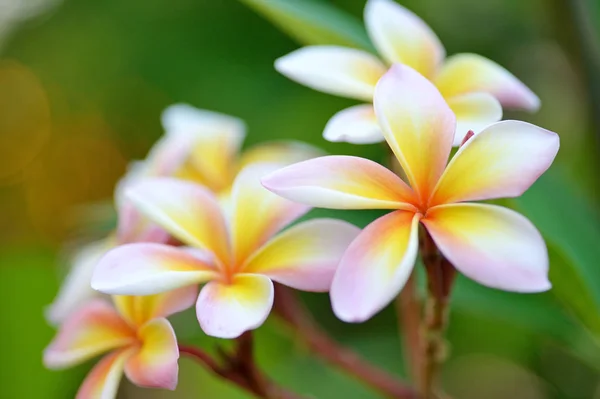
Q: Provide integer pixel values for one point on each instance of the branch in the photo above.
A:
(290, 309)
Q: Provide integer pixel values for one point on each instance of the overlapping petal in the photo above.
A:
(493, 245)
(187, 210)
(133, 226)
(154, 365)
(103, 381)
(356, 125)
(76, 290)
(474, 111)
(402, 37)
(91, 330)
(228, 309)
(501, 161)
(341, 182)
(138, 310)
(305, 256)
(467, 73)
(257, 214)
(417, 124)
(146, 269)
(376, 266)
(336, 70)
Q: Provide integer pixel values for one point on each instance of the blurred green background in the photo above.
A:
(82, 85)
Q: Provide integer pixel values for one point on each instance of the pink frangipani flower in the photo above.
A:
(490, 244)
(138, 338)
(237, 254)
(475, 87)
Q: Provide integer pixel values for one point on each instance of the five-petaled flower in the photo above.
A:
(135, 332)
(235, 253)
(490, 244)
(199, 145)
(473, 86)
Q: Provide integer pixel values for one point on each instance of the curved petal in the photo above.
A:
(133, 226)
(154, 365)
(103, 381)
(257, 214)
(494, 246)
(138, 310)
(93, 329)
(284, 152)
(214, 142)
(502, 161)
(187, 210)
(417, 124)
(305, 256)
(228, 310)
(474, 111)
(376, 266)
(146, 269)
(335, 70)
(466, 73)
(76, 289)
(341, 182)
(401, 36)
(356, 125)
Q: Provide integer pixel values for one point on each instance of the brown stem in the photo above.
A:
(240, 369)
(440, 276)
(290, 309)
(408, 310)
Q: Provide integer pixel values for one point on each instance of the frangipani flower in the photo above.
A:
(198, 145)
(134, 333)
(490, 244)
(237, 256)
(472, 85)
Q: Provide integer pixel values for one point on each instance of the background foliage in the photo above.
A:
(82, 86)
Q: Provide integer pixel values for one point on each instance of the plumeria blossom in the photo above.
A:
(134, 334)
(490, 244)
(237, 257)
(473, 86)
(198, 145)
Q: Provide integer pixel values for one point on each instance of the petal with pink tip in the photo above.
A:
(494, 246)
(91, 330)
(335, 70)
(502, 161)
(284, 152)
(341, 182)
(103, 381)
(146, 269)
(356, 125)
(467, 73)
(474, 111)
(154, 365)
(402, 37)
(187, 210)
(376, 266)
(133, 226)
(138, 310)
(257, 214)
(305, 256)
(76, 289)
(417, 124)
(226, 310)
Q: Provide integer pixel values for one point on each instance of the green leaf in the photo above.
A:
(311, 22)
(571, 228)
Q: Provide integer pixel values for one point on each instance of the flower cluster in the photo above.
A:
(196, 212)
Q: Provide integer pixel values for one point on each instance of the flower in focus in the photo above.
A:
(490, 244)
(238, 256)
(198, 145)
(473, 86)
(134, 333)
